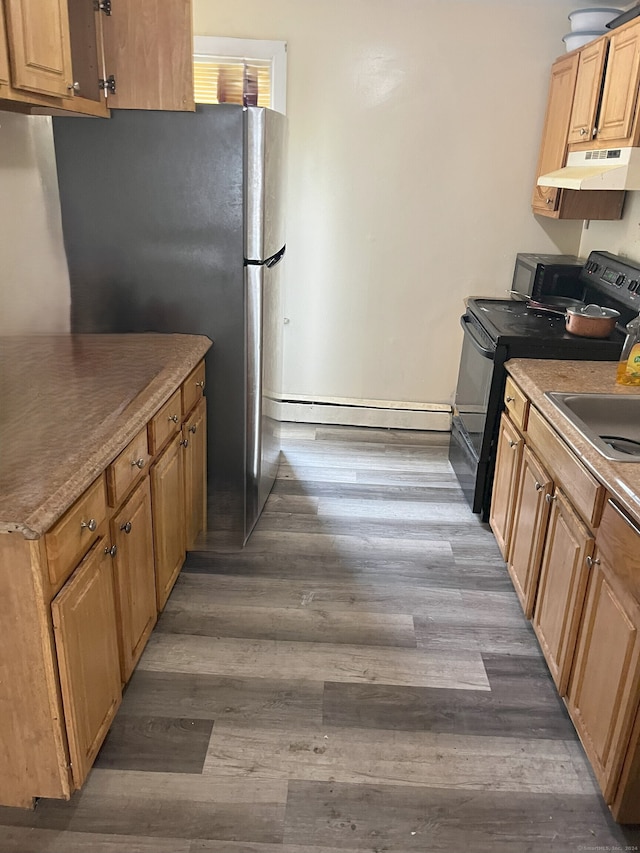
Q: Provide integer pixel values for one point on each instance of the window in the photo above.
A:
(250, 71)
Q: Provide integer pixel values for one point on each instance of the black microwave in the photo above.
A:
(536, 276)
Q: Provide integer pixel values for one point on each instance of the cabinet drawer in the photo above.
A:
(584, 491)
(192, 388)
(127, 468)
(516, 404)
(165, 423)
(70, 539)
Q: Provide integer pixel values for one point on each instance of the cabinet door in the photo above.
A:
(561, 590)
(508, 454)
(587, 93)
(131, 532)
(4, 52)
(603, 694)
(194, 442)
(148, 48)
(167, 498)
(38, 33)
(620, 94)
(556, 127)
(85, 37)
(84, 619)
(529, 528)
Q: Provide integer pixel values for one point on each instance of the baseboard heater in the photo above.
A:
(370, 413)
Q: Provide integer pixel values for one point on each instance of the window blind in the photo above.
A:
(222, 80)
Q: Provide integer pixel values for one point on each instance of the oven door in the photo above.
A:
(476, 413)
(474, 383)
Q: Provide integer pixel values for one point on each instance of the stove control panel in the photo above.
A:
(614, 277)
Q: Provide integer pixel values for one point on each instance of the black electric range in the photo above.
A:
(499, 329)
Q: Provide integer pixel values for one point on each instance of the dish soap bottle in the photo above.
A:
(629, 366)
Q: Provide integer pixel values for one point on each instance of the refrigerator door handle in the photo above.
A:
(275, 259)
(269, 262)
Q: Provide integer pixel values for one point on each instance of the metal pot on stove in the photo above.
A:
(591, 321)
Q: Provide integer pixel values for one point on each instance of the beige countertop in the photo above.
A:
(537, 376)
(68, 405)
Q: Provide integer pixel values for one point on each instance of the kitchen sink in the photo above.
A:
(609, 422)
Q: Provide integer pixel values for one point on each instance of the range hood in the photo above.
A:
(607, 169)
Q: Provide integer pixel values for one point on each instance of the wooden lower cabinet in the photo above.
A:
(84, 620)
(603, 693)
(167, 495)
(194, 443)
(132, 533)
(529, 528)
(561, 589)
(508, 455)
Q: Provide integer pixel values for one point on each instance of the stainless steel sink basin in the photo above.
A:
(610, 422)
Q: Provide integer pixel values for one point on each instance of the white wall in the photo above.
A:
(34, 282)
(414, 131)
(621, 238)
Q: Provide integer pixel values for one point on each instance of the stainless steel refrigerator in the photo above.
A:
(174, 222)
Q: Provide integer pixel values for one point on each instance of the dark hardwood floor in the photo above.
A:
(359, 678)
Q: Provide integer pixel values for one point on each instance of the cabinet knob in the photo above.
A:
(193, 428)
(89, 525)
(538, 486)
(185, 443)
(126, 527)
(550, 498)
(200, 384)
(583, 131)
(111, 551)
(138, 463)
(591, 562)
(513, 444)
(173, 418)
(509, 399)
(74, 87)
(549, 200)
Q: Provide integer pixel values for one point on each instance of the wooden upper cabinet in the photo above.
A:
(582, 126)
(563, 203)
(620, 94)
(149, 50)
(73, 55)
(553, 149)
(38, 33)
(4, 52)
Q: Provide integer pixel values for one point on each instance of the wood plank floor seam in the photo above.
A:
(359, 677)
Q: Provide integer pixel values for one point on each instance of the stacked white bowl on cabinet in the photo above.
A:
(588, 24)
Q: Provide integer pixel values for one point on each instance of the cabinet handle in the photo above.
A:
(591, 562)
(173, 418)
(513, 443)
(538, 486)
(138, 463)
(112, 551)
(90, 525)
(550, 498)
(509, 399)
(200, 384)
(193, 428)
(185, 443)
(126, 527)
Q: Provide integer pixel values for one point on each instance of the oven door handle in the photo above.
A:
(469, 329)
